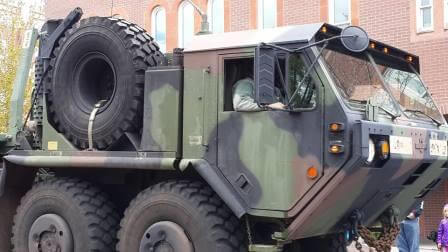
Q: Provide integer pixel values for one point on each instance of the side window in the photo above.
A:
(158, 28)
(302, 91)
(425, 15)
(267, 14)
(235, 70)
(340, 12)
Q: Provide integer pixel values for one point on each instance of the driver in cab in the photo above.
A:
(244, 93)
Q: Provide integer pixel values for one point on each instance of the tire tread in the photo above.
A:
(94, 204)
(145, 53)
(224, 226)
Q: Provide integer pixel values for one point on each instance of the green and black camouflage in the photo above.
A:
(258, 162)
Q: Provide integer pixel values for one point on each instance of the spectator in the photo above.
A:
(408, 239)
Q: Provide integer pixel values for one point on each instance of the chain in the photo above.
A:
(358, 245)
(249, 235)
(384, 242)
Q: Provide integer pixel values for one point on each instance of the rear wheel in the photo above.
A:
(64, 215)
(180, 216)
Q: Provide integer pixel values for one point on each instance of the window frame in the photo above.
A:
(419, 16)
(331, 15)
(180, 23)
(260, 14)
(154, 29)
(445, 14)
(210, 15)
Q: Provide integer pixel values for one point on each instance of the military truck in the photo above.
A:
(130, 149)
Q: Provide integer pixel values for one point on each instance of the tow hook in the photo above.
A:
(390, 217)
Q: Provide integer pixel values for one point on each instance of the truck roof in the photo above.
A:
(290, 34)
(250, 38)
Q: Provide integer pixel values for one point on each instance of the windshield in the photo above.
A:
(409, 91)
(359, 83)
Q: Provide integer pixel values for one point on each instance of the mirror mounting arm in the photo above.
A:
(306, 74)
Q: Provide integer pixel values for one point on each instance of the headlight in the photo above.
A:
(371, 151)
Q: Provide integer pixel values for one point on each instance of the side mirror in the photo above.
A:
(264, 75)
(354, 39)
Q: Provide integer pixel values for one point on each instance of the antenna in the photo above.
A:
(204, 23)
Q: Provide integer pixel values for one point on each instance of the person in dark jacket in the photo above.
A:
(442, 234)
(408, 239)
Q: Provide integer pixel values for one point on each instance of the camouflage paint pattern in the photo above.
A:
(265, 155)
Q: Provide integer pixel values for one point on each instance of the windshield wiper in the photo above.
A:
(423, 113)
(391, 114)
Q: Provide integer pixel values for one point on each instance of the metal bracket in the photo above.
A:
(91, 120)
(371, 112)
(390, 216)
(264, 248)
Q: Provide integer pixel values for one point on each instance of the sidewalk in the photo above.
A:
(424, 247)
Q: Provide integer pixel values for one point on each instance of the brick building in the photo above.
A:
(418, 26)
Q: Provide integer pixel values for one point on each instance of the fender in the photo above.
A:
(218, 183)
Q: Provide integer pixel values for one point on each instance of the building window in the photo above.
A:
(267, 14)
(158, 27)
(216, 15)
(186, 23)
(424, 15)
(340, 12)
(445, 13)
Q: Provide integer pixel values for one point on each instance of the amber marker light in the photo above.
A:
(409, 58)
(324, 29)
(372, 45)
(386, 50)
(384, 148)
(336, 127)
(312, 172)
(336, 148)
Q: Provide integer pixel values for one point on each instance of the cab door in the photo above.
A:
(265, 155)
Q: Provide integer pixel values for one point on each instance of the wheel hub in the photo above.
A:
(50, 233)
(165, 236)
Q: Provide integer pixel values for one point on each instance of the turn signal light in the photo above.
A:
(312, 172)
(372, 45)
(384, 149)
(386, 50)
(409, 58)
(336, 148)
(336, 127)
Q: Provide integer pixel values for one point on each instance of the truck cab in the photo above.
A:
(360, 132)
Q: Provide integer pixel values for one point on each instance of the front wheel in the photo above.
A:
(64, 215)
(180, 216)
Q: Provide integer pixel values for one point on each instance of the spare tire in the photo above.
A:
(100, 59)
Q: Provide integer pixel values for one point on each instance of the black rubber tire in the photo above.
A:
(207, 221)
(100, 58)
(91, 217)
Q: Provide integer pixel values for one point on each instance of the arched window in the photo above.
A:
(158, 27)
(267, 14)
(186, 23)
(216, 15)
